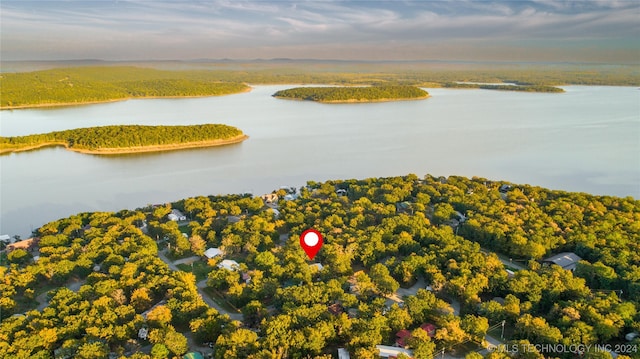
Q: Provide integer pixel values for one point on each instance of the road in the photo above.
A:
(505, 260)
(200, 285)
(74, 285)
(212, 303)
(420, 284)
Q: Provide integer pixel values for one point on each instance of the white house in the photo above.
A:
(290, 197)
(5, 238)
(343, 353)
(143, 333)
(229, 264)
(212, 253)
(176, 215)
(392, 352)
(318, 266)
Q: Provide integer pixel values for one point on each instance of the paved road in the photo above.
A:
(420, 284)
(491, 343)
(506, 261)
(74, 286)
(201, 285)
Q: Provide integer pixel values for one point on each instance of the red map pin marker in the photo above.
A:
(311, 242)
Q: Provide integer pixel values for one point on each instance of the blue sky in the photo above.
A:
(537, 30)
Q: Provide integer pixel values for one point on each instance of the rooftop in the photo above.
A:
(389, 352)
(566, 260)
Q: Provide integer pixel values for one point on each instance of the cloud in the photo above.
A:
(194, 29)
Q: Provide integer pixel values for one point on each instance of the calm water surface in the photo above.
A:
(587, 139)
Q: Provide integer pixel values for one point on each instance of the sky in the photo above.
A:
(461, 30)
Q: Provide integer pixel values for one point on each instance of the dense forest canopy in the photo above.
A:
(353, 94)
(447, 242)
(104, 83)
(122, 136)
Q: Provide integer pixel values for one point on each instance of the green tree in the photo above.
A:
(380, 276)
(159, 351)
(159, 316)
(176, 342)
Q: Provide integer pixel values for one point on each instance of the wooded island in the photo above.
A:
(505, 87)
(127, 139)
(353, 94)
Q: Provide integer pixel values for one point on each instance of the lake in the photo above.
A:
(587, 139)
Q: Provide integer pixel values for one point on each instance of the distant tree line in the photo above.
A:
(518, 87)
(122, 136)
(352, 94)
(96, 84)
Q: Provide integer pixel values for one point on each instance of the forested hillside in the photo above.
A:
(96, 84)
(353, 94)
(447, 242)
(123, 136)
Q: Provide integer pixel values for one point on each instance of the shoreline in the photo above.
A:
(356, 101)
(62, 104)
(132, 150)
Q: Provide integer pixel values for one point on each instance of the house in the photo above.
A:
(176, 215)
(290, 197)
(461, 217)
(429, 328)
(498, 300)
(5, 238)
(269, 198)
(229, 264)
(352, 313)
(246, 277)
(143, 333)
(341, 192)
(335, 309)
(403, 336)
(233, 219)
(566, 260)
(318, 266)
(505, 188)
(27, 245)
(404, 207)
(343, 353)
(392, 352)
(212, 253)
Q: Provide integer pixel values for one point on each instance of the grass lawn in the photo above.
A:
(199, 268)
(184, 228)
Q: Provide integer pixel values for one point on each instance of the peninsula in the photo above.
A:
(85, 85)
(124, 139)
(353, 94)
